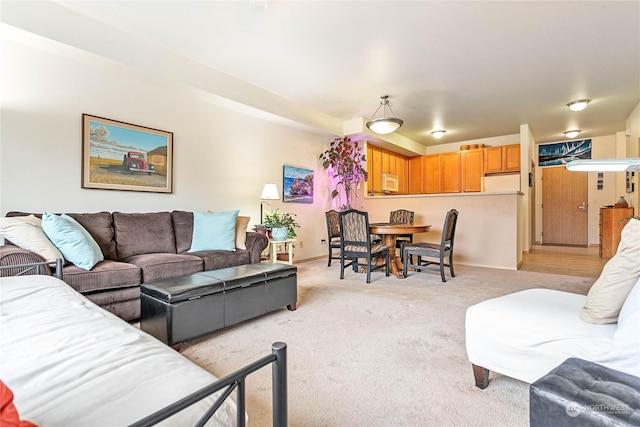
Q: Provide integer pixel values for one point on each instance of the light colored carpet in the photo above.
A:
(389, 353)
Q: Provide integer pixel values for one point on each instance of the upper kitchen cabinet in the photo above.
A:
(502, 159)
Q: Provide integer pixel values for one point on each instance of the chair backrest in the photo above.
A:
(333, 224)
(401, 216)
(354, 231)
(449, 228)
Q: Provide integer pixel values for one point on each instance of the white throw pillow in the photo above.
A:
(242, 222)
(26, 232)
(620, 273)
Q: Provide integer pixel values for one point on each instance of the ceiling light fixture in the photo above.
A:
(572, 133)
(438, 133)
(604, 165)
(578, 105)
(384, 125)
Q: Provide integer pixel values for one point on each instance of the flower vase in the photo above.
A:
(279, 233)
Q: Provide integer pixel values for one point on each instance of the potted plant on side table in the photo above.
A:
(282, 225)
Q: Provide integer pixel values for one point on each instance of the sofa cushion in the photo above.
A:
(214, 260)
(183, 229)
(620, 273)
(143, 233)
(75, 243)
(164, 265)
(104, 275)
(100, 226)
(214, 231)
(26, 232)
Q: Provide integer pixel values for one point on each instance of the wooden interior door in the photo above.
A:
(564, 207)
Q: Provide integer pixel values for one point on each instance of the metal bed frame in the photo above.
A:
(235, 380)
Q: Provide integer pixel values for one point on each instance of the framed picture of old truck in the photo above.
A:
(122, 156)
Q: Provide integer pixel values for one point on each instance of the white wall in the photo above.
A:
(222, 158)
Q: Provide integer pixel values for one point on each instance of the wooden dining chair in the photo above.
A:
(333, 234)
(402, 216)
(355, 243)
(433, 250)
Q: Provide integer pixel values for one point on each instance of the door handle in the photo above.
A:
(583, 206)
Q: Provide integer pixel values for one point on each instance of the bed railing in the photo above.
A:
(278, 358)
(25, 269)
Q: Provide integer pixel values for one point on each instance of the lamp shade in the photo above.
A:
(384, 125)
(270, 192)
(604, 165)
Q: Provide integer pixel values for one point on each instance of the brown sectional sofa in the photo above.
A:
(137, 248)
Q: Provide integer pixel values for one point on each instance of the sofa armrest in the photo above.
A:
(13, 255)
(256, 243)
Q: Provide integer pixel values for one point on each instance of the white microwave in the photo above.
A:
(389, 183)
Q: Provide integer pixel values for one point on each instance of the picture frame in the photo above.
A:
(123, 156)
(561, 153)
(297, 184)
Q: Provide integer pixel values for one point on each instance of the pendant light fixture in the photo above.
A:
(605, 165)
(385, 124)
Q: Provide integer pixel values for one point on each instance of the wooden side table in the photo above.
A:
(611, 228)
(273, 248)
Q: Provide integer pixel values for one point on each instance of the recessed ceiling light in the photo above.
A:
(572, 133)
(438, 133)
(578, 105)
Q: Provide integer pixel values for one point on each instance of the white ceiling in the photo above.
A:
(477, 69)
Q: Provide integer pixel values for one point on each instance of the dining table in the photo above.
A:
(389, 234)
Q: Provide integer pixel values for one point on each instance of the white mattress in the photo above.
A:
(71, 363)
(526, 334)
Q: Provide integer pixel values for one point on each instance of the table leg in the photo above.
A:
(395, 262)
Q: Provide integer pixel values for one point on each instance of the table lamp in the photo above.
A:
(269, 192)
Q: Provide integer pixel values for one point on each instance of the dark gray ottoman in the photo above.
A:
(182, 308)
(582, 393)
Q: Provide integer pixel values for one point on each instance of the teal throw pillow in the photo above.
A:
(72, 240)
(214, 231)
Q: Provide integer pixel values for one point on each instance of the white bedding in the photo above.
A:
(71, 363)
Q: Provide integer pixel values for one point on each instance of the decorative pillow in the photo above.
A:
(26, 232)
(620, 273)
(9, 415)
(242, 222)
(214, 231)
(75, 243)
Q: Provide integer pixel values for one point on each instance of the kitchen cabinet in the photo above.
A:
(381, 161)
(431, 170)
(415, 175)
(611, 229)
(502, 159)
(472, 168)
(450, 172)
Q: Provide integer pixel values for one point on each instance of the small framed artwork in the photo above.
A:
(297, 186)
(123, 156)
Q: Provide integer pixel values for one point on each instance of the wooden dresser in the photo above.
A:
(610, 229)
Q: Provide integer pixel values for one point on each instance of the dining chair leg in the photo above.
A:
(386, 268)
(442, 268)
(369, 270)
(329, 263)
(451, 265)
(405, 258)
(341, 268)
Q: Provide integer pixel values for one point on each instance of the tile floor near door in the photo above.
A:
(573, 261)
